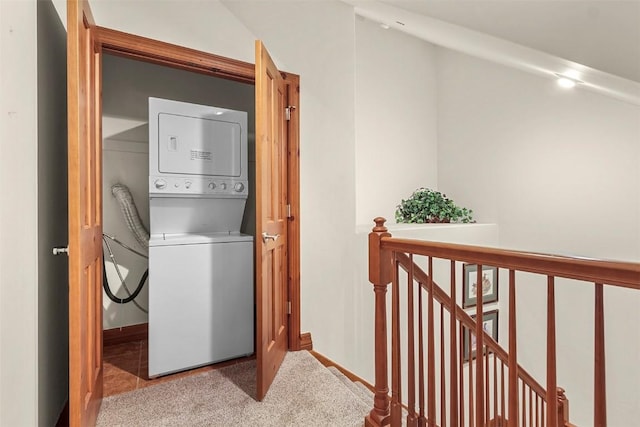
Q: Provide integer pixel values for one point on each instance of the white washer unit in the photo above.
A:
(201, 303)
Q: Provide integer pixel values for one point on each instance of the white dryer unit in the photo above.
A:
(201, 282)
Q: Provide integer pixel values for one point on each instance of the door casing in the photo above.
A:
(144, 49)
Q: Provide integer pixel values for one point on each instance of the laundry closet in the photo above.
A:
(199, 215)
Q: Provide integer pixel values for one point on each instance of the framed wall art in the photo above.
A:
(490, 326)
(470, 287)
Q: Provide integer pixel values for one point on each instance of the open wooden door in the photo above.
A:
(271, 227)
(85, 217)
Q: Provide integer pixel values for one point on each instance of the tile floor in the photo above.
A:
(126, 365)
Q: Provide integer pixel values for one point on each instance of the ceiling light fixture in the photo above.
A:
(384, 26)
(567, 81)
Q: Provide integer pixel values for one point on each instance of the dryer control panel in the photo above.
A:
(196, 185)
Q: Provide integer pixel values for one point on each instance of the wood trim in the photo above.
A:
(125, 334)
(305, 342)
(353, 377)
(292, 82)
(175, 56)
(85, 253)
(149, 50)
(158, 52)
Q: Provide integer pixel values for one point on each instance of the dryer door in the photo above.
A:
(198, 146)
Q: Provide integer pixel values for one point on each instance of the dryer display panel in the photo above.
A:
(199, 146)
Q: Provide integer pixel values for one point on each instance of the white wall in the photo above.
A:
(559, 171)
(18, 214)
(315, 40)
(396, 139)
(33, 284)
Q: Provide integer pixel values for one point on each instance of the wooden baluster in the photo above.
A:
(600, 382)
(443, 389)
(513, 353)
(502, 398)
(431, 369)
(552, 401)
(480, 420)
(422, 419)
(537, 410)
(495, 386)
(487, 402)
(412, 418)
(453, 363)
(472, 418)
(524, 405)
(380, 265)
(530, 406)
(461, 370)
(396, 365)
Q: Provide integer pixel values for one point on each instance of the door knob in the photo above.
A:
(266, 236)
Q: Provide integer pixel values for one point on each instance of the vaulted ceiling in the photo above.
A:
(604, 34)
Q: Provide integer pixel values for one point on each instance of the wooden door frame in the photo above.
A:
(148, 50)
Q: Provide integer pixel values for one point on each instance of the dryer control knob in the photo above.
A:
(212, 185)
(223, 185)
(239, 187)
(160, 184)
(187, 184)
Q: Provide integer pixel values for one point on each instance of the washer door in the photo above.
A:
(200, 305)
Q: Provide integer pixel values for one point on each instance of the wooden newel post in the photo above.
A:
(380, 269)
(563, 408)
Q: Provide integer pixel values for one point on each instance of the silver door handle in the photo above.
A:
(61, 250)
(266, 236)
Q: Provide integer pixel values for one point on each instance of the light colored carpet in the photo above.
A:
(304, 393)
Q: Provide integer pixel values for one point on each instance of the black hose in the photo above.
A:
(112, 297)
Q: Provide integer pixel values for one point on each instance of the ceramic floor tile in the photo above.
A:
(118, 350)
(120, 375)
(126, 368)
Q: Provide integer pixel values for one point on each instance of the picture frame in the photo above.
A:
(489, 324)
(489, 285)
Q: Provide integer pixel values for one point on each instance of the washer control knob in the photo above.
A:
(212, 185)
(239, 187)
(160, 184)
(187, 184)
(223, 185)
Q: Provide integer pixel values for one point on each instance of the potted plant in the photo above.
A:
(429, 206)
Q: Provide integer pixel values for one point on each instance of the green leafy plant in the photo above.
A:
(427, 205)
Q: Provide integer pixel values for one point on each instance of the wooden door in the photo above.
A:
(85, 217)
(271, 227)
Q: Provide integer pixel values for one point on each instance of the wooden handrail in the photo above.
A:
(625, 274)
(470, 399)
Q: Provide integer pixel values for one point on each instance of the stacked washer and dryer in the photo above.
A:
(201, 283)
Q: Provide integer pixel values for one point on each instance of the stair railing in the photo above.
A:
(482, 388)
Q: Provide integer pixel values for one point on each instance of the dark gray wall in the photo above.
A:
(53, 306)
